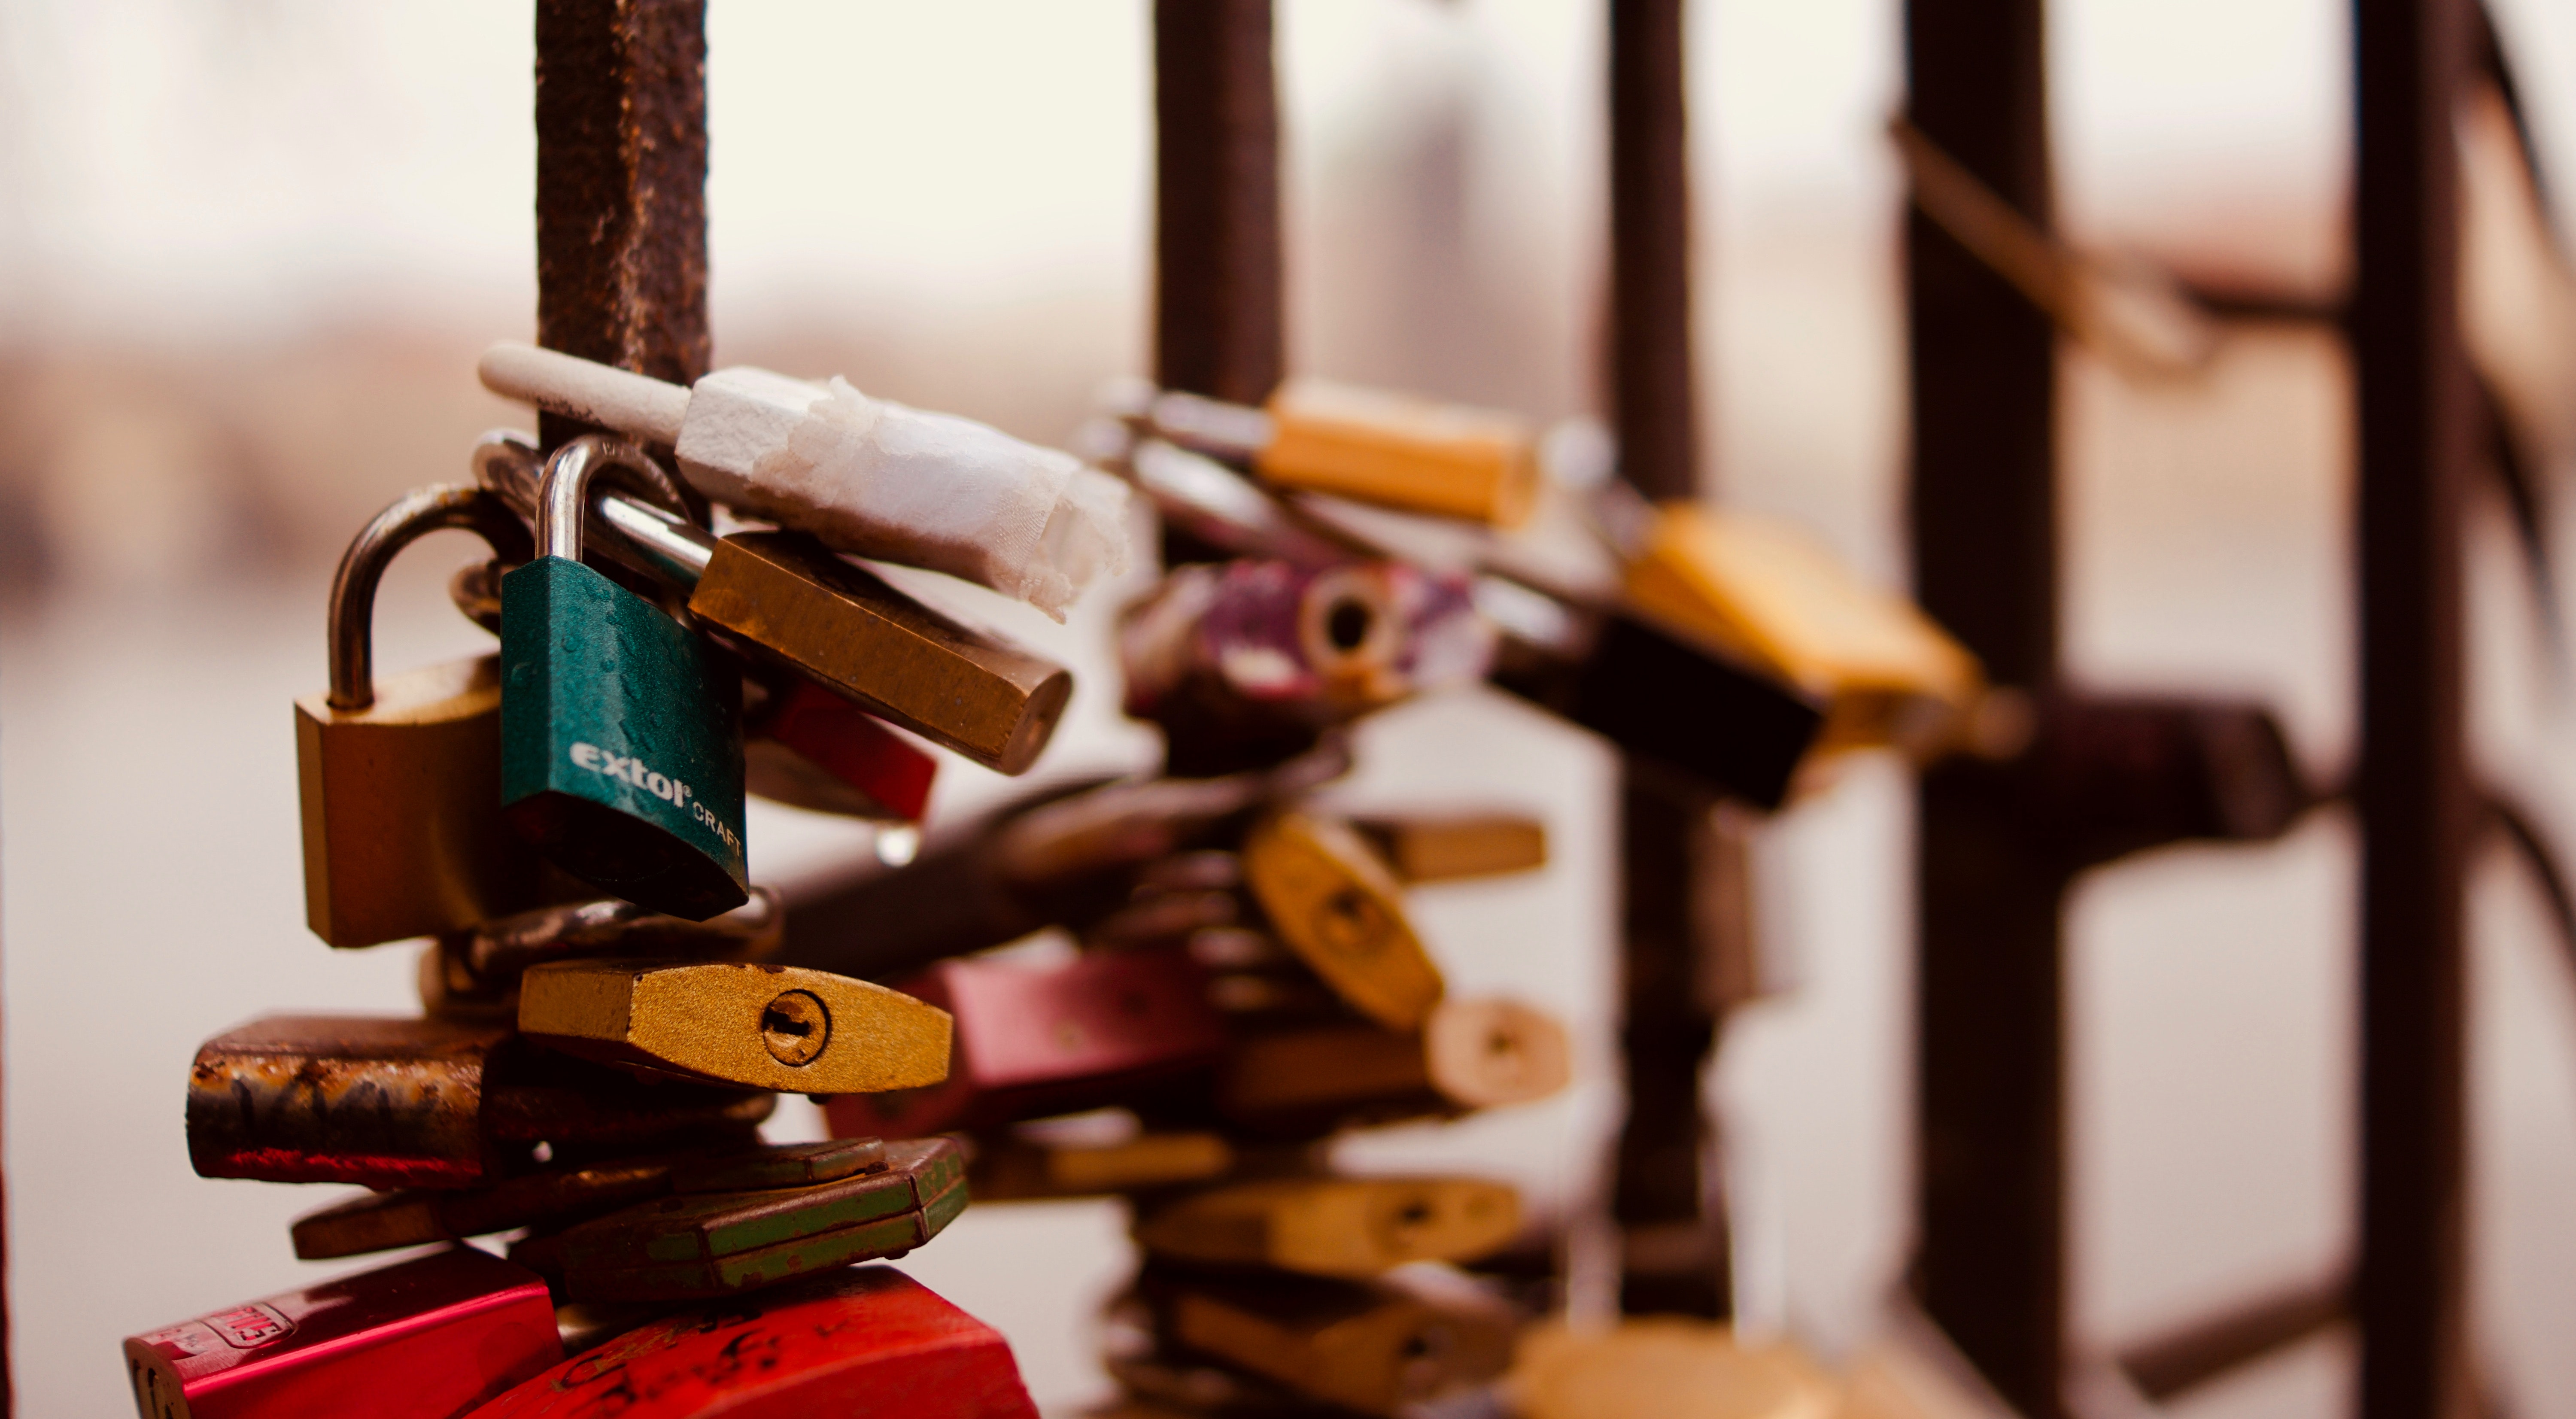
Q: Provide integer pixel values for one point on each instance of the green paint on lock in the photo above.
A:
(621, 742)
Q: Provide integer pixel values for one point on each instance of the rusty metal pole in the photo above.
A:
(1664, 1195)
(1990, 1190)
(2417, 419)
(1218, 330)
(622, 187)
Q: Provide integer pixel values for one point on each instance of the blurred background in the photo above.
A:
(249, 251)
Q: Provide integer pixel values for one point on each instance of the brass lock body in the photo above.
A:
(1373, 1347)
(1468, 1055)
(1333, 1226)
(1335, 904)
(759, 1026)
(1012, 1169)
(1415, 454)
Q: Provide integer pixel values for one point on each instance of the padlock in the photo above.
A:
(380, 1221)
(1445, 847)
(1468, 1055)
(1332, 901)
(1326, 1226)
(388, 1103)
(1244, 663)
(1765, 592)
(430, 1338)
(1674, 1366)
(1373, 1346)
(809, 748)
(697, 1245)
(869, 476)
(864, 1340)
(1370, 445)
(1039, 1040)
(753, 1025)
(1016, 1169)
(621, 733)
(814, 617)
(400, 779)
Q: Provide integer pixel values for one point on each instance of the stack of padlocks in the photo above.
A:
(602, 1030)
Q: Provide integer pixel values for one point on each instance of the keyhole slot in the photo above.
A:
(795, 1027)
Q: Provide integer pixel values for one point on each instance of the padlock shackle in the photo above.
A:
(353, 590)
(659, 540)
(564, 496)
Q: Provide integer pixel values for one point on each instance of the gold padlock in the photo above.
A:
(1333, 1226)
(1392, 449)
(1334, 903)
(400, 779)
(1444, 847)
(1469, 1054)
(1372, 1347)
(760, 1026)
(1766, 592)
(1030, 1170)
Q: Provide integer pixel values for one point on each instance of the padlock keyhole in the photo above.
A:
(1346, 625)
(795, 1027)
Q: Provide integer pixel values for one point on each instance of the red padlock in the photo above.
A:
(813, 749)
(432, 1338)
(864, 1342)
(1035, 1041)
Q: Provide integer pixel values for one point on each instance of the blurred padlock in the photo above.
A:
(809, 748)
(1244, 663)
(753, 1025)
(695, 1245)
(400, 778)
(863, 1340)
(1446, 847)
(1370, 445)
(1469, 1054)
(380, 1221)
(1374, 1347)
(1331, 1226)
(1333, 902)
(1688, 1369)
(389, 1103)
(1763, 591)
(430, 1338)
(791, 601)
(1039, 1040)
(621, 732)
(1013, 1168)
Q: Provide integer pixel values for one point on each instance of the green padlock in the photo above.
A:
(621, 729)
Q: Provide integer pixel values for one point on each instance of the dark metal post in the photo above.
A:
(621, 186)
(1990, 1126)
(2417, 417)
(1671, 1220)
(1217, 324)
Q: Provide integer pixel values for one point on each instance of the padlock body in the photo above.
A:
(869, 1340)
(402, 809)
(430, 1338)
(621, 742)
(813, 749)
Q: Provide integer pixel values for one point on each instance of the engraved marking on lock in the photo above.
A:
(629, 769)
(795, 1027)
(249, 1327)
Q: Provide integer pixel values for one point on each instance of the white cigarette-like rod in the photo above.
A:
(867, 476)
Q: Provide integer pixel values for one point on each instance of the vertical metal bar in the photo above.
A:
(1990, 977)
(1671, 1220)
(2417, 416)
(1218, 330)
(621, 187)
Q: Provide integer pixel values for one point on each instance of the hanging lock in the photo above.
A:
(1468, 1055)
(868, 1340)
(1370, 445)
(621, 733)
(1333, 902)
(690, 1246)
(1033, 1041)
(430, 1338)
(400, 779)
(389, 1103)
(1369, 1346)
(1332, 1226)
(754, 1025)
(790, 600)
(1446, 847)
(1021, 1168)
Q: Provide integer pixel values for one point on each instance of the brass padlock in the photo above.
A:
(753, 1025)
(1374, 446)
(1763, 591)
(1013, 1169)
(1373, 1347)
(1332, 1226)
(1333, 902)
(1444, 847)
(399, 779)
(1469, 1054)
